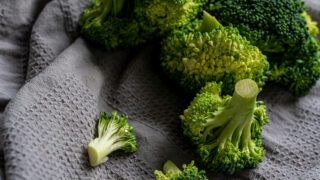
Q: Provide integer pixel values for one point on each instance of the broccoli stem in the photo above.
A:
(101, 147)
(236, 117)
(209, 23)
(170, 166)
(117, 6)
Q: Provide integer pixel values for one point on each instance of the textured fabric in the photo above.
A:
(65, 82)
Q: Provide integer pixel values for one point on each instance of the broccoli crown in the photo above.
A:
(168, 14)
(283, 31)
(114, 133)
(204, 51)
(226, 130)
(112, 24)
(272, 25)
(172, 172)
(127, 23)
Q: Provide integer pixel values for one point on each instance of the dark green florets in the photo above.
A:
(126, 23)
(226, 130)
(193, 57)
(167, 15)
(172, 172)
(271, 25)
(283, 31)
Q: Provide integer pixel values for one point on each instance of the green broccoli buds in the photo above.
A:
(205, 51)
(114, 133)
(167, 15)
(226, 130)
(172, 172)
(115, 24)
(312, 25)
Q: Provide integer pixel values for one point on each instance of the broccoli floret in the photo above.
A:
(127, 23)
(114, 133)
(283, 31)
(172, 172)
(169, 14)
(112, 24)
(204, 51)
(226, 130)
(312, 25)
(300, 75)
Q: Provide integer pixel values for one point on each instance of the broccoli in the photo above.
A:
(204, 51)
(226, 130)
(114, 133)
(167, 15)
(112, 24)
(172, 172)
(283, 31)
(127, 23)
(312, 25)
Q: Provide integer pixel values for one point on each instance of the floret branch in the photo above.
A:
(114, 133)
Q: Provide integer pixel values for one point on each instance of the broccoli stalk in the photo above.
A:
(226, 130)
(114, 133)
(170, 166)
(209, 23)
(172, 172)
(237, 115)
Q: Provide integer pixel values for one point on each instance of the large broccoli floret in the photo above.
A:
(114, 133)
(172, 172)
(205, 51)
(283, 31)
(112, 24)
(127, 23)
(166, 15)
(226, 130)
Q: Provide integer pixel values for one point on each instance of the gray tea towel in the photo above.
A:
(53, 85)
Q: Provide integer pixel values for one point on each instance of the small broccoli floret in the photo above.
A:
(169, 14)
(204, 51)
(283, 31)
(226, 130)
(114, 133)
(298, 69)
(172, 172)
(312, 25)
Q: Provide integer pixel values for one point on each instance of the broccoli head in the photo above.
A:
(283, 31)
(172, 172)
(126, 23)
(112, 24)
(114, 133)
(204, 51)
(226, 130)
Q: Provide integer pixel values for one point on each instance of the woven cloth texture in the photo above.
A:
(53, 84)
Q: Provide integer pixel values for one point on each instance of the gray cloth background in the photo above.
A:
(53, 85)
